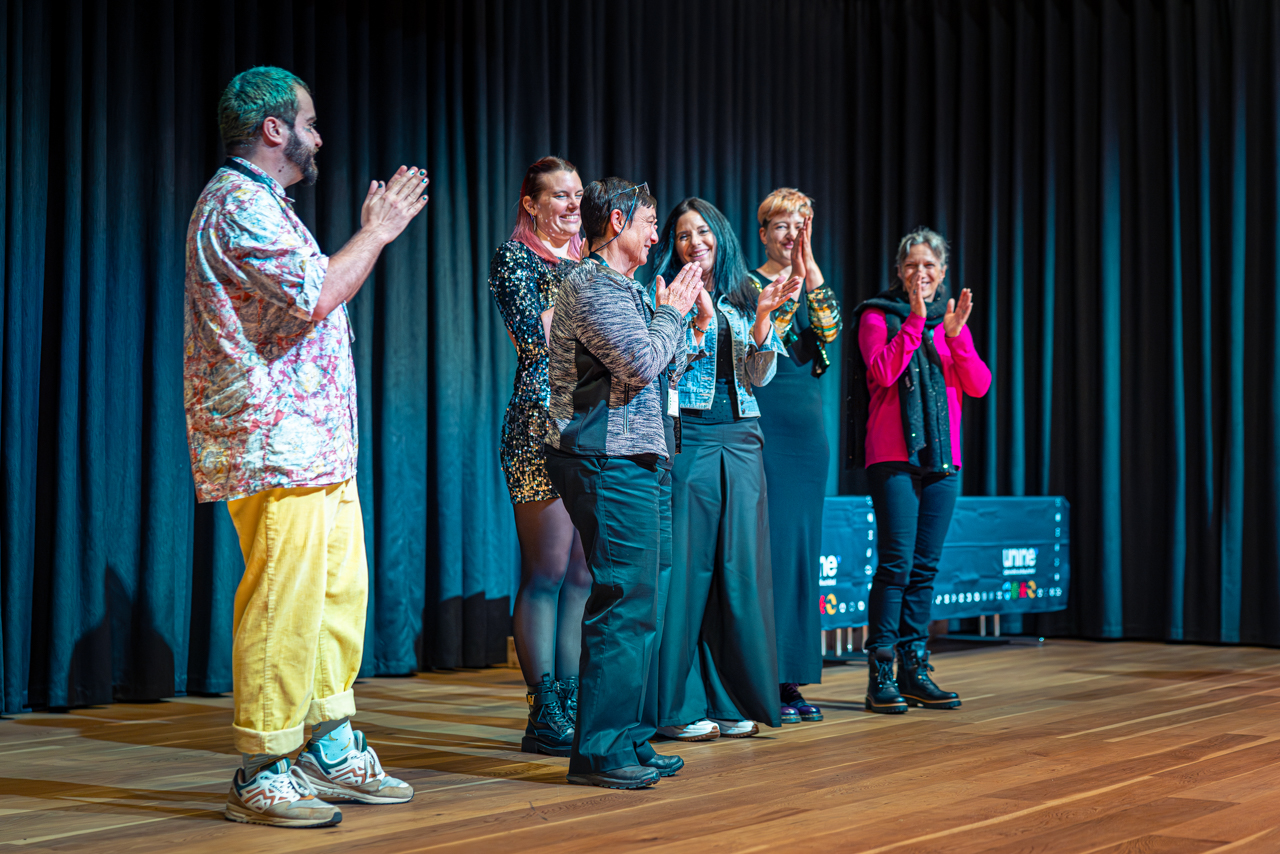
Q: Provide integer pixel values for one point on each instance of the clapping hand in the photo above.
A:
(390, 206)
(813, 278)
(776, 294)
(706, 311)
(957, 313)
(772, 297)
(912, 286)
(799, 267)
(683, 290)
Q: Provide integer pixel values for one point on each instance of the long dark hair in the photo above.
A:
(728, 273)
(535, 179)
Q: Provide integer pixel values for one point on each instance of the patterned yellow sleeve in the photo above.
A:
(782, 318)
(824, 313)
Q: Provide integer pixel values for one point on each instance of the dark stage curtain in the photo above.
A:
(1106, 171)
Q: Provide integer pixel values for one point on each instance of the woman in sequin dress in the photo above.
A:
(554, 581)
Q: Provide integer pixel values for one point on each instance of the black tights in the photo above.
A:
(554, 585)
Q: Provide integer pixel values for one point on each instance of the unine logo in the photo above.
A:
(830, 565)
(1019, 561)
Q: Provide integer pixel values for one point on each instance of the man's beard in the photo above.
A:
(302, 157)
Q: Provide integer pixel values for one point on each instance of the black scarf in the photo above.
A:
(922, 388)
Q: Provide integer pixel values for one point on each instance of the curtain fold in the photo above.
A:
(1106, 171)
(25, 147)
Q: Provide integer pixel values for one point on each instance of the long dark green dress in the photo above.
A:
(796, 454)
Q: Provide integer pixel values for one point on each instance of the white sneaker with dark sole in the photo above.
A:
(736, 729)
(280, 796)
(702, 730)
(357, 776)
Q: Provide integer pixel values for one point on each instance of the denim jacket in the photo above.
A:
(752, 365)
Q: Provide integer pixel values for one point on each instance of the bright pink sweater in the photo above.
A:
(963, 368)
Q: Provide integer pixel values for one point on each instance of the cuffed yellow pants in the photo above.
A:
(299, 612)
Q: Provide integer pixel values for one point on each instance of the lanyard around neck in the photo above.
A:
(236, 165)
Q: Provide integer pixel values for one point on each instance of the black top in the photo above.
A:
(724, 349)
(724, 404)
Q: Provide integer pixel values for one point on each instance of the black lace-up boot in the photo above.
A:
(548, 731)
(917, 687)
(882, 690)
(568, 691)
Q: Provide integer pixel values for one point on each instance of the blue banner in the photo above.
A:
(1002, 556)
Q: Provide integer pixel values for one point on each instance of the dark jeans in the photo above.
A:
(913, 511)
(615, 503)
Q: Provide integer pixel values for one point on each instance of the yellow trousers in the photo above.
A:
(299, 612)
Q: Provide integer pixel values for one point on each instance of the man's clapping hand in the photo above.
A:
(387, 209)
(390, 205)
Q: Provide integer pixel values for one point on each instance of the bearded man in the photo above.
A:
(270, 395)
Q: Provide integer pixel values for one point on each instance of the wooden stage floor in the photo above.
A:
(1073, 747)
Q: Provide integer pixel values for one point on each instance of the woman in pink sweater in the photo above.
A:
(920, 363)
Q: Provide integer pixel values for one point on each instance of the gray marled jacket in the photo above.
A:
(611, 359)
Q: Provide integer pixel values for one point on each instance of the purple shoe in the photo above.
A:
(790, 715)
(791, 698)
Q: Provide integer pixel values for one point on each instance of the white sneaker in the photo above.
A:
(279, 795)
(358, 775)
(736, 729)
(702, 730)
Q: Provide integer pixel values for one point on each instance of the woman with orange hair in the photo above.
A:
(796, 454)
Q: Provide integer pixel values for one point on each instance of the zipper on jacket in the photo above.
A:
(626, 408)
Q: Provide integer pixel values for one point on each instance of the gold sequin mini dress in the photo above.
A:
(523, 286)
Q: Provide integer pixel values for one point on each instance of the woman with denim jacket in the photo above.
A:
(717, 663)
(796, 453)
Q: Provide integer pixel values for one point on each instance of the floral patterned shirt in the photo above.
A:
(270, 394)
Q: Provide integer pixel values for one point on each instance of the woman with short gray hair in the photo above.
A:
(919, 362)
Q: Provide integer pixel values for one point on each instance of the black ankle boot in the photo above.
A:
(917, 688)
(548, 731)
(568, 691)
(882, 690)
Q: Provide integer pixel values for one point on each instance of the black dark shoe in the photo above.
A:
(666, 766)
(627, 777)
(914, 682)
(806, 711)
(548, 730)
(882, 691)
(568, 691)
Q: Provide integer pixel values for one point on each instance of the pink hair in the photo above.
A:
(525, 230)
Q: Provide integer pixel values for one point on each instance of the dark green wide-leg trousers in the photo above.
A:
(719, 656)
(614, 504)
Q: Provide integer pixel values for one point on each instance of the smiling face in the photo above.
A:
(557, 207)
(638, 237)
(695, 244)
(779, 235)
(923, 269)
